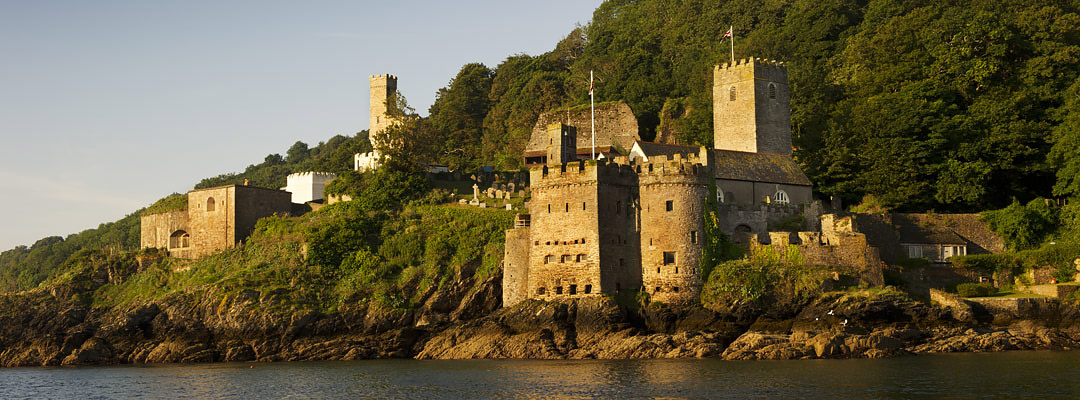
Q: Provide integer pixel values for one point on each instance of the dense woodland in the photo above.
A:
(953, 106)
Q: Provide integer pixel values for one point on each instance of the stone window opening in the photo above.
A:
(588, 289)
(675, 289)
(567, 207)
(549, 259)
(719, 196)
(781, 197)
(210, 204)
(583, 206)
(669, 257)
(622, 262)
(540, 290)
(582, 257)
(618, 206)
(573, 289)
(582, 240)
(565, 258)
(549, 208)
(693, 237)
(658, 270)
(669, 205)
(676, 270)
(772, 91)
(731, 94)
(657, 289)
(179, 240)
(558, 290)
(618, 287)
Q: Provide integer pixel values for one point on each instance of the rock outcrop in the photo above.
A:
(61, 325)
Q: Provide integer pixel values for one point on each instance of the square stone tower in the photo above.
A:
(562, 144)
(382, 87)
(752, 107)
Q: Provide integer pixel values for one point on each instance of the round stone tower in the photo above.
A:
(672, 200)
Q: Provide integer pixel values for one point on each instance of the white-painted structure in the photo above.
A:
(307, 186)
(366, 161)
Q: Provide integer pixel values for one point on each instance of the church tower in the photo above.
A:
(752, 107)
(382, 87)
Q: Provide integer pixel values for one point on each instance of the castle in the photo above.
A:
(635, 221)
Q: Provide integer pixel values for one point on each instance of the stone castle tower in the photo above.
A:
(604, 226)
(752, 107)
(382, 87)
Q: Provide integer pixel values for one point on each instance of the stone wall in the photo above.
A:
(565, 231)
(381, 88)
(212, 228)
(253, 203)
(616, 126)
(515, 266)
(672, 200)
(155, 230)
(216, 219)
(847, 253)
(757, 118)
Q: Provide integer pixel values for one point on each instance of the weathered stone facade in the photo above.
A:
(216, 219)
(616, 129)
(752, 107)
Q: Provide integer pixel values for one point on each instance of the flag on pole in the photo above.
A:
(727, 34)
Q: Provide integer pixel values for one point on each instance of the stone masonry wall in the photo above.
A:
(676, 231)
(565, 256)
(155, 229)
(211, 230)
(516, 266)
(620, 244)
(253, 203)
(752, 121)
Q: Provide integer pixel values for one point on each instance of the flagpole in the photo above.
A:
(731, 28)
(592, 110)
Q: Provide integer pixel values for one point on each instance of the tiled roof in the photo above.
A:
(758, 167)
(656, 149)
(914, 229)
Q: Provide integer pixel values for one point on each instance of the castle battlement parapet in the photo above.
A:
(382, 76)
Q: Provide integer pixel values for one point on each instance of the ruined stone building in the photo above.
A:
(215, 219)
(616, 132)
(382, 87)
(633, 221)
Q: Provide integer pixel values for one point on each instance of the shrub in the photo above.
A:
(1023, 226)
(975, 289)
(989, 263)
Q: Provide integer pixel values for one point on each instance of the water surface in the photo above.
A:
(980, 375)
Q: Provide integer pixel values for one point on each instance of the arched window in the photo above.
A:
(719, 195)
(731, 94)
(179, 240)
(772, 91)
(210, 204)
(781, 197)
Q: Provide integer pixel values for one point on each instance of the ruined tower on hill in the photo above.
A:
(752, 107)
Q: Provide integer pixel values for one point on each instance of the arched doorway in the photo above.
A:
(179, 240)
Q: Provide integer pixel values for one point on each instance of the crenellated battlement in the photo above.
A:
(751, 62)
(382, 76)
(312, 174)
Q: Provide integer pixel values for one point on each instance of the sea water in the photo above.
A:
(979, 375)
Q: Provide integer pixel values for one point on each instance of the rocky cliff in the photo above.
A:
(62, 325)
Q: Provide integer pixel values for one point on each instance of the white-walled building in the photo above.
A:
(307, 186)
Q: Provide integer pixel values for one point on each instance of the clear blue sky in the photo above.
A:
(106, 106)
